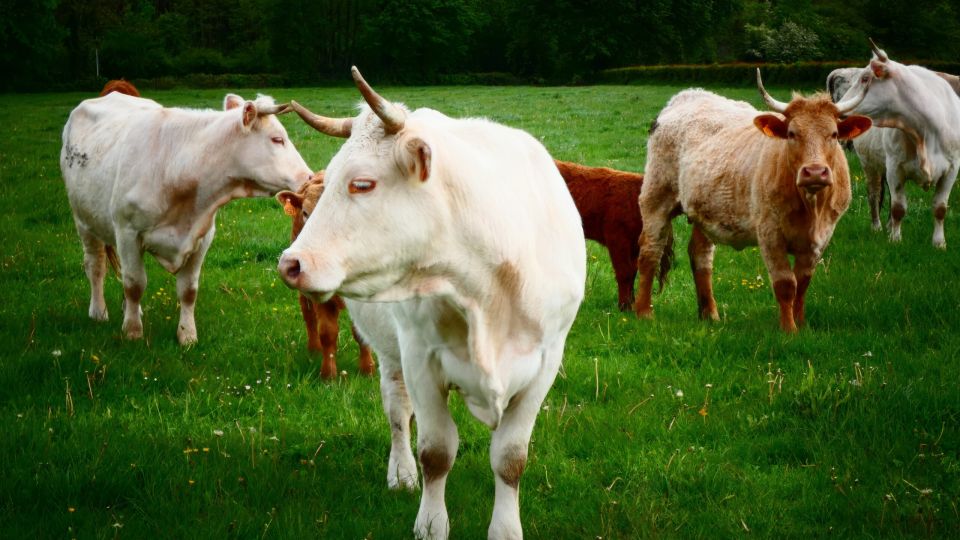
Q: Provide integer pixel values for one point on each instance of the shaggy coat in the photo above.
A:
(320, 318)
(607, 200)
(745, 178)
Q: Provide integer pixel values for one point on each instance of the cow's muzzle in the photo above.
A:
(298, 272)
(813, 178)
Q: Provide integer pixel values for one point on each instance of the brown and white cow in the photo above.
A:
(464, 230)
(320, 318)
(147, 178)
(745, 178)
(607, 201)
(120, 85)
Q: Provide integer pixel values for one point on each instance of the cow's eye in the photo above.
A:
(791, 135)
(277, 140)
(834, 135)
(305, 215)
(362, 185)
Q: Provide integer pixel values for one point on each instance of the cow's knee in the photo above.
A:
(510, 465)
(435, 462)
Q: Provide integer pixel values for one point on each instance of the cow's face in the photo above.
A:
(812, 131)
(377, 223)
(300, 204)
(263, 152)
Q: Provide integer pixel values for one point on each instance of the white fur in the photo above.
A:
(124, 159)
(484, 266)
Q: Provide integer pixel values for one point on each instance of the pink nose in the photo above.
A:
(289, 269)
(813, 178)
(815, 171)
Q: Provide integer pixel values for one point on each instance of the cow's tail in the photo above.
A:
(666, 260)
(114, 260)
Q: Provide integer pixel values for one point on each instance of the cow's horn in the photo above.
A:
(776, 106)
(336, 127)
(882, 56)
(274, 109)
(392, 117)
(851, 103)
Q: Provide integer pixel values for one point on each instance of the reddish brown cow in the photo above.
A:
(122, 86)
(321, 319)
(745, 178)
(607, 202)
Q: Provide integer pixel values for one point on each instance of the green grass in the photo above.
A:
(848, 429)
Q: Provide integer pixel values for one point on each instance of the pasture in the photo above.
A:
(670, 428)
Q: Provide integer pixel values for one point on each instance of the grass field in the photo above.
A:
(670, 428)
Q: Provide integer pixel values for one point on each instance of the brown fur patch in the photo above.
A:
(435, 462)
(512, 465)
(189, 297)
(121, 86)
(898, 211)
(133, 293)
(182, 204)
(940, 212)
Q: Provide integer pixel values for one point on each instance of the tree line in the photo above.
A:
(59, 43)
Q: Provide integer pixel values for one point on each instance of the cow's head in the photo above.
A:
(375, 227)
(300, 204)
(260, 149)
(812, 130)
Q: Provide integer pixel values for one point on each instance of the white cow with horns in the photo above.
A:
(467, 229)
(925, 108)
(146, 178)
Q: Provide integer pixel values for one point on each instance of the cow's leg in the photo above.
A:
(366, 363)
(188, 282)
(329, 325)
(875, 197)
(621, 249)
(95, 266)
(803, 267)
(701, 251)
(437, 441)
(309, 311)
(898, 201)
(940, 200)
(509, 444)
(656, 207)
(401, 466)
(134, 277)
(781, 276)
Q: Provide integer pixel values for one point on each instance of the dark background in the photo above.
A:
(53, 44)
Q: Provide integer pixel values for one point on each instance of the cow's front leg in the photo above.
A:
(309, 311)
(898, 201)
(329, 326)
(940, 199)
(437, 441)
(188, 282)
(803, 267)
(401, 466)
(134, 277)
(366, 362)
(875, 182)
(95, 266)
(509, 445)
(784, 282)
(701, 249)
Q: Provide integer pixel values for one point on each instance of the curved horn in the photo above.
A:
(776, 106)
(392, 117)
(851, 103)
(882, 56)
(283, 108)
(336, 127)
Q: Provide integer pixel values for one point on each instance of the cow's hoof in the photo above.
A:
(186, 337)
(99, 315)
(876, 226)
(431, 526)
(942, 244)
(133, 331)
(403, 478)
(646, 314)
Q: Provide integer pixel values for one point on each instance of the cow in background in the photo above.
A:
(924, 107)
(745, 178)
(466, 229)
(320, 318)
(607, 200)
(145, 178)
(120, 85)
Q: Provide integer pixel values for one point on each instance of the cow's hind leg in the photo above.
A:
(188, 282)
(657, 207)
(898, 202)
(940, 199)
(134, 276)
(509, 445)
(875, 182)
(622, 249)
(328, 314)
(95, 266)
(701, 251)
(401, 467)
(365, 363)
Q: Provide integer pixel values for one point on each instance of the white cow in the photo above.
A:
(926, 109)
(143, 177)
(870, 146)
(468, 229)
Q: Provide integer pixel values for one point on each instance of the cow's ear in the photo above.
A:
(416, 158)
(771, 126)
(249, 115)
(852, 127)
(880, 69)
(292, 203)
(232, 101)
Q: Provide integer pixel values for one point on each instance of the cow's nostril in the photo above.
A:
(293, 269)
